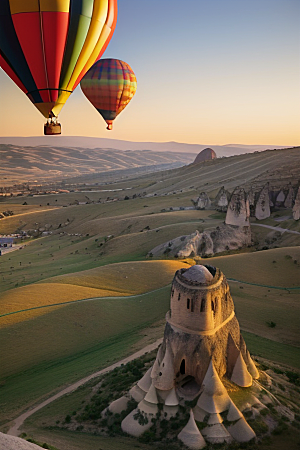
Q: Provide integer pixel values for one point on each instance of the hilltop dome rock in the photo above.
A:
(205, 155)
(198, 273)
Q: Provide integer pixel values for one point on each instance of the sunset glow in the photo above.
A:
(217, 72)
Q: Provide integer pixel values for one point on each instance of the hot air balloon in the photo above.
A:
(46, 47)
(109, 85)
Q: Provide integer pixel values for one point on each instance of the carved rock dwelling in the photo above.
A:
(202, 346)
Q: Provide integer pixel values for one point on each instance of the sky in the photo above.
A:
(208, 71)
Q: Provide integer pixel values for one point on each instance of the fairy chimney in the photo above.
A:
(202, 344)
(262, 207)
(296, 207)
(238, 211)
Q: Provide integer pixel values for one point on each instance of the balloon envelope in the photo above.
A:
(46, 46)
(109, 85)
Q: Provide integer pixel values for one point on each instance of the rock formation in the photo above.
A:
(205, 155)
(15, 443)
(251, 200)
(222, 199)
(280, 198)
(203, 201)
(202, 345)
(296, 207)
(262, 207)
(290, 198)
(209, 242)
(238, 211)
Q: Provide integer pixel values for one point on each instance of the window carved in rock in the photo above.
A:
(192, 305)
(202, 307)
(188, 303)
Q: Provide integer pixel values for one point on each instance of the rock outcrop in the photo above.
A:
(15, 443)
(262, 207)
(203, 201)
(290, 198)
(296, 207)
(238, 211)
(280, 199)
(205, 155)
(209, 242)
(222, 199)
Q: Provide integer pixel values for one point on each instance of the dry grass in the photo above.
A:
(275, 267)
(117, 280)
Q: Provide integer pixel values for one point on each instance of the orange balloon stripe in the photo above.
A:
(110, 23)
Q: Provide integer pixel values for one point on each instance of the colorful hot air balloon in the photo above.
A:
(46, 46)
(109, 85)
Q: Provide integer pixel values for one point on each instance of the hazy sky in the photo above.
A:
(209, 72)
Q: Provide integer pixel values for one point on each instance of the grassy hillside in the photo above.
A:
(115, 280)
(20, 163)
(99, 252)
(275, 267)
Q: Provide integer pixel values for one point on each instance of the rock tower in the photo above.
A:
(203, 201)
(296, 207)
(238, 211)
(202, 345)
(222, 199)
(262, 207)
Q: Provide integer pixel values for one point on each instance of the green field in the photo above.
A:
(99, 252)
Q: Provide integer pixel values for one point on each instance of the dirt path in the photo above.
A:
(18, 422)
(282, 230)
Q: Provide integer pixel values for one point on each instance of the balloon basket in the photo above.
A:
(51, 129)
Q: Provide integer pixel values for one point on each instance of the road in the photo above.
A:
(14, 430)
(282, 230)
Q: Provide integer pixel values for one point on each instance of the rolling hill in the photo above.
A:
(21, 163)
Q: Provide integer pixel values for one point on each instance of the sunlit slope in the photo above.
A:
(277, 267)
(20, 163)
(115, 280)
(135, 236)
(81, 218)
(278, 166)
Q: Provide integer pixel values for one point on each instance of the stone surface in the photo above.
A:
(205, 155)
(238, 211)
(262, 207)
(290, 198)
(16, 443)
(203, 201)
(296, 207)
(198, 273)
(210, 242)
(222, 199)
(191, 436)
(202, 344)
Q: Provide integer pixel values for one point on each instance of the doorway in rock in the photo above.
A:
(188, 387)
(182, 367)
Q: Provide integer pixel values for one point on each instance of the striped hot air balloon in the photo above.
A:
(109, 85)
(46, 46)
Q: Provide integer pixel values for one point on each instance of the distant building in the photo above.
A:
(6, 242)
